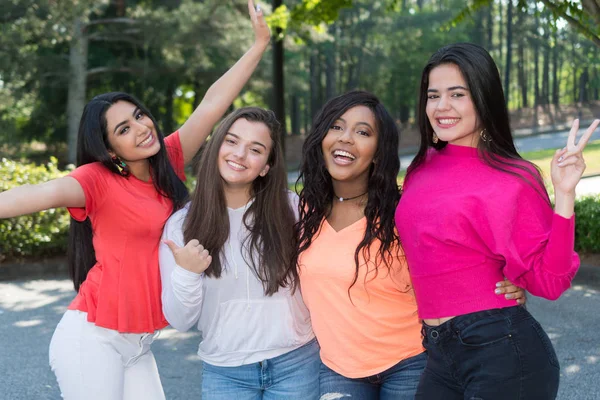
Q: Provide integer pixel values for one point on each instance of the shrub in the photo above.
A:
(587, 227)
(40, 234)
(45, 233)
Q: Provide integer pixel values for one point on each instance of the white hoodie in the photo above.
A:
(239, 324)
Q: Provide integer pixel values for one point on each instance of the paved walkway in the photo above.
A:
(589, 186)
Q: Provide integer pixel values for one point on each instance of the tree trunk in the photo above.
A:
(295, 114)
(536, 70)
(574, 63)
(314, 82)
(478, 30)
(500, 34)
(307, 114)
(168, 123)
(555, 72)
(278, 88)
(330, 61)
(197, 95)
(583, 81)
(522, 78)
(508, 50)
(77, 86)
(546, 66)
(490, 27)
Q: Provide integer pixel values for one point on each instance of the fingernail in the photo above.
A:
(497, 291)
(257, 7)
(499, 284)
(560, 159)
(509, 296)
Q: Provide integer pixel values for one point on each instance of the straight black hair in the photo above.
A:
(93, 146)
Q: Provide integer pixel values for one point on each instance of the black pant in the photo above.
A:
(494, 354)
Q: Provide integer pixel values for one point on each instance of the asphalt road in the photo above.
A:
(29, 311)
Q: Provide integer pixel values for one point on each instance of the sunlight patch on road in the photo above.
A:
(170, 333)
(589, 292)
(26, 324)
(192, 357)
(553, 335)
(572, 369)
(30, 295)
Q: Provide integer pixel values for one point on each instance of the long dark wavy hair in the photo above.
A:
(483, 80)
(317, 195)
(93, 146)
(270, 243)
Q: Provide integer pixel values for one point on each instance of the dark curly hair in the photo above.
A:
(316, 196)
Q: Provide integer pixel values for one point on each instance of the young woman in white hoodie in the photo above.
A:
(226, 266)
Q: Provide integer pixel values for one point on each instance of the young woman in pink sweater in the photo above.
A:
(472, 212)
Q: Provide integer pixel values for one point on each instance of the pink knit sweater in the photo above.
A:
(465, 226)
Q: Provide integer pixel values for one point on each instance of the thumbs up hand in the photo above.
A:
(192, 257)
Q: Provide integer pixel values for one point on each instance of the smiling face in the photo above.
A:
(131, 134)
(244, 153)
(450, 108)
(349, 146)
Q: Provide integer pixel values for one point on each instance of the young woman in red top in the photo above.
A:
(128, 182)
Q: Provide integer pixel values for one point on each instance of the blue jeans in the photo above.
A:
(396, 383)
(290, 376)
(494, 354)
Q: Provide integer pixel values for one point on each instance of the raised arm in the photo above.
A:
(27, 199)
(221, 94)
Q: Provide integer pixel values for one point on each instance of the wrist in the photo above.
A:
(564, 203)
(261, 44)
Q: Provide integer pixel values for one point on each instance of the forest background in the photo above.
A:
(57, 54)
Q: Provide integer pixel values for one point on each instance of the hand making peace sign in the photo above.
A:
(568, 165)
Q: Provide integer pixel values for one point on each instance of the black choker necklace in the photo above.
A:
(348, 198)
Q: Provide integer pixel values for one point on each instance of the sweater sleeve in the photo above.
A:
(182, 292)
(537, 245)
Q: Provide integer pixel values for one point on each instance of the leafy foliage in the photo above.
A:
(39, 234)
(587, 228)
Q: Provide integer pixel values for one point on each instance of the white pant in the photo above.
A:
(95, 363)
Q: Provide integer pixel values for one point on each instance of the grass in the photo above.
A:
(542, 159)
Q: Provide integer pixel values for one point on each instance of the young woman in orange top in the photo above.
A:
(128, 182)
(353, 274)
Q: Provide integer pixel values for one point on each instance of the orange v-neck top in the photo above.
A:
(373, 328)
(122, 290)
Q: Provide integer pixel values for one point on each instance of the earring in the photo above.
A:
(484, 136)
(121, 166)
(434, 138)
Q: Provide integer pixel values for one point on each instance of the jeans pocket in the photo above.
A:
(546, 342)
(485, 332)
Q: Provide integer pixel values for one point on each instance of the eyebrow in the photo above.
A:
(124, 122)
(450, 88)
(360, 123)
(257, 143)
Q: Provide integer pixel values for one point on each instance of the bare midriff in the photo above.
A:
(436, 321)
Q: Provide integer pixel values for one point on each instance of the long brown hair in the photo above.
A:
(269, 246)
